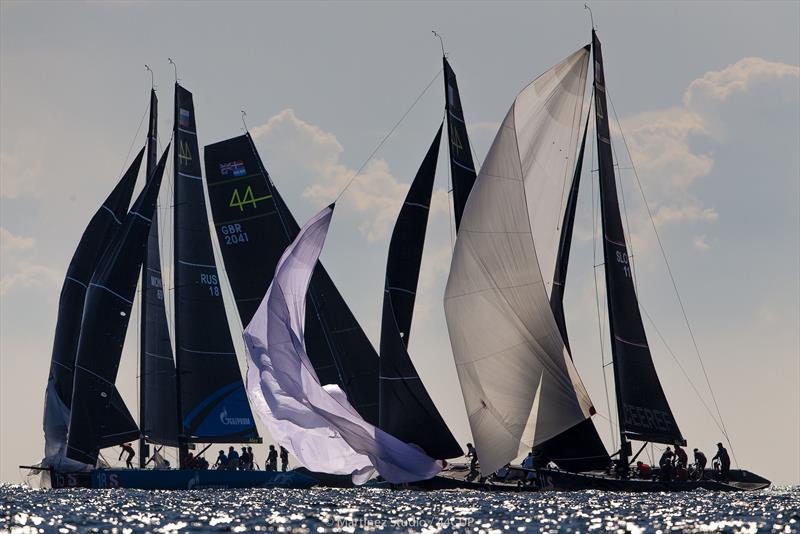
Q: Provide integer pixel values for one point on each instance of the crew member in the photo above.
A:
(473, 463)
(222, 460)
(233, 459)
(665, 463)
(643, 470)
(700, 462)
(681, 458)
(272, 459)
(284, 459)
(724, 461)
(126, 448)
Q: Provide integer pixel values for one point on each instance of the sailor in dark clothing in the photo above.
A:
(126, 448)
(665, 463)
(284, 459)
(244, 460)
(252, 458)
(222, 460)
(272, 459)
(233, 459)
(473, 463)
(724, 461)
(700, 462)
(681, 458)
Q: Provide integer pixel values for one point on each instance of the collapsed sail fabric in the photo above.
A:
(407, 411)
(99, 416)
(644, 412)
(96, 237)
(254, 226)
(314, 421)
(508, 350)
(462, 169)
(579, 448)
(157, 397)
(213, 401)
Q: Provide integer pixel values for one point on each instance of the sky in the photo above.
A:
(707, 96)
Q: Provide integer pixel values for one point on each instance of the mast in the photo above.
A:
(406, 410)
(462, 169)
(643, 411)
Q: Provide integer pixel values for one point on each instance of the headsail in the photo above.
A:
(406, 409)
(579, 448)
(462, 169)
(314, 422)
(158, 413)
(213, 402)
(99, 417)
(98, 234)
(254, 227)
(506, 343)
(644, 412)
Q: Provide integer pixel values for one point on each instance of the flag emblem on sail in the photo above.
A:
(519, 385)
(235, 168)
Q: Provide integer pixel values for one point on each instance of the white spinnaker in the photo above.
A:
(315, 422)
(506, 343)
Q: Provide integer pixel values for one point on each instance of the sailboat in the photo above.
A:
(504, 302)
(198, 397)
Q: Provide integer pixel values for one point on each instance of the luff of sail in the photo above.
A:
(213, 400)
(462, 168)
(96, 237)
(506, 343)
(644, 413)
(254, 226)
(579, 448)
(99, 416)
(406, 409)
(158, 413)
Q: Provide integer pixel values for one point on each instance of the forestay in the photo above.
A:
(509, 353)
(315, 422)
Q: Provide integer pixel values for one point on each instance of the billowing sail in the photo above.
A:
(213, 400)
(254, 227)
(158, 412)
(644, 412)
(314, 422)
(99, 417)
(98, 234)
(508, 350)
(579, 448)
(406, 409)
(462, 169)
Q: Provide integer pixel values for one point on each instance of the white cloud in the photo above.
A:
(27, 275)
(11, 243)
(375, 193)
(700, 242)
(740, 77)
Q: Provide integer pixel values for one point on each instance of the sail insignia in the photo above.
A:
(406, 410)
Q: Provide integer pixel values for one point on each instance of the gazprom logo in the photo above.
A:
(233, 421)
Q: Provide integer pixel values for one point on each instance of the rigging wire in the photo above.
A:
(387, 136)
(133, 141)
(672, 279)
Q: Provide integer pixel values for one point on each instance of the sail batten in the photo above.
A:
(406, 410)
(644, 413)
(519, 384)
(99, 417)
(254, 226)
(212, 398)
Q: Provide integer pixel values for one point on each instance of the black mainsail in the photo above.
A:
(99, 416)
(462, 169)
(254, 227)
(212, 399)
(579, 448)
(644, 413)
(98, 234)
(157, 368)
(406, 409)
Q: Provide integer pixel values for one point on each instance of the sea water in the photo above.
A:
(23, 509)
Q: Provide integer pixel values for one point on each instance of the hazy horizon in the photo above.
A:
(708, 98)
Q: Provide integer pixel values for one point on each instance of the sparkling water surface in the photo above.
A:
(23, 509)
